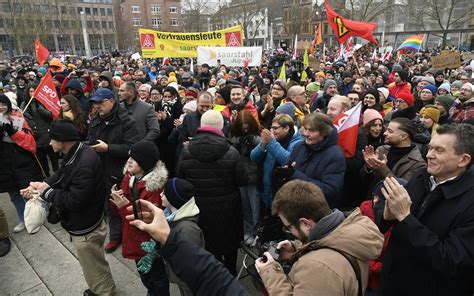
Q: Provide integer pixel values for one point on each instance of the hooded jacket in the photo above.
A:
(75, 84)
(185, 223)
(322, 164)
(149, 188)
(325, 271)
(108, 75)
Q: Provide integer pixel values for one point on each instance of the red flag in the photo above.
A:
(46, 94)
(41, 52)
(347, 125)
(375, 57)
(344, 28)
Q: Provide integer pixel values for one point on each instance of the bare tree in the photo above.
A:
(366, 10)
(195, 17)
(444, 15)
(249, 15)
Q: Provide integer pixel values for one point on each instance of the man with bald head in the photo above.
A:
(297, 96)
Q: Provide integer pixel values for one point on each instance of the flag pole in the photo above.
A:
(26, 107)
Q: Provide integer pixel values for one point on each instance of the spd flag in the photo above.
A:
(344, 28)
(46, 94)
(41, 52)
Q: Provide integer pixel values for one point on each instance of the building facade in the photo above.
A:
(161, 15)
(57, 24)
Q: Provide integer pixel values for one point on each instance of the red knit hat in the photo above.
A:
(406, 96)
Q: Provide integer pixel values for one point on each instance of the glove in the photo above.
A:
(145, 263)
(8, 127)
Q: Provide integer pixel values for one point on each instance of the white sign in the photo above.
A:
(230, 56)
(136, 56)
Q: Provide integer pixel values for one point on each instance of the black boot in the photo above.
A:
(88, 292)
(5, 246)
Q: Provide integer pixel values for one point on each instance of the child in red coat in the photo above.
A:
(144, 179)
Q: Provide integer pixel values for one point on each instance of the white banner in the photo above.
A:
(230, 56)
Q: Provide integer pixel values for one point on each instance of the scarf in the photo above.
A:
(326, 225)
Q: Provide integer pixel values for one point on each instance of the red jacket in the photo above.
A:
(149, 188)
(395, 88)
(375, 266)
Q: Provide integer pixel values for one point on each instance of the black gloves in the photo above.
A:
(8, 127)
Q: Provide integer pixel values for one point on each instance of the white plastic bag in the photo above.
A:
(36, 213)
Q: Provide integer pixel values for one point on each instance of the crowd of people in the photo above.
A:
(203, 155)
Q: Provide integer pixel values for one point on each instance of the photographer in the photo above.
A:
(333, 259)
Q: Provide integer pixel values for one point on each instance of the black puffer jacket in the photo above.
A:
(119, 131)
(212, 165)
(78, 190)
(42, 118)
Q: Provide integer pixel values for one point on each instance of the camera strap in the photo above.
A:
(313, 246)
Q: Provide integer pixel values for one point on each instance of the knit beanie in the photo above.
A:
(212, 118)
(42, 70)
(432, 112)
(145, 154)
(428, 79)
(287, 108)
(403, 75)
(457, 83)
(384, 91)
(370, 115)
(313, 87)
(282, 84)
(190, 106)
(433, 89)
(328, 83)
(172, 78)
(396, 68)
(406, 96)
(375, 93)
(63, 130)
(446, 101)
(225, 93)
(4, 99)
(178, 192)
(445, 86)
(320, 74)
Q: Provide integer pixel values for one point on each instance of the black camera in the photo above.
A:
(270, 247)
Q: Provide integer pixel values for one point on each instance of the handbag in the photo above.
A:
(36, 213)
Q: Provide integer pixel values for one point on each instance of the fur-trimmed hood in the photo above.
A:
(154, 180)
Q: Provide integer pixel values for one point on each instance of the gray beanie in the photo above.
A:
(287, 108)
(328, 83)
(457, 83)
(428, 79)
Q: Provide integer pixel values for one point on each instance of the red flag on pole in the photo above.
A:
(46, 94)
(344, 28)
(318, 39)
(41, 52)
(347, 125)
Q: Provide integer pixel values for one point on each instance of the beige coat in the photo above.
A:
(326, 272)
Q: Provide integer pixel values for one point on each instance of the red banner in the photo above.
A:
(344, 28)
(41, 52)
(46, 94)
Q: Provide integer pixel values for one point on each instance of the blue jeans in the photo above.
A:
(156, 280)
(19, 203)
(250, 208)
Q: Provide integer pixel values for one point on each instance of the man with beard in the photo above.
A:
(463, 108)
(325, 257)
(322, 101)
(399, 158)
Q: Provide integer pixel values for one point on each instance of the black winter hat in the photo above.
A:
(403, 75)
(4, 99)
(145, 154)
(63, 130)
(375, 93)
(178, 192)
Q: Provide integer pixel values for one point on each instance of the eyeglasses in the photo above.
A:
(274, 128)
(466, 89)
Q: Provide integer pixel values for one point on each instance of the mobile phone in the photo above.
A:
(137, 209)
(381, 154)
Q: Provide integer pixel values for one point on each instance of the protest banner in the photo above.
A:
(155, 44)
(230, 56)
(450, 60)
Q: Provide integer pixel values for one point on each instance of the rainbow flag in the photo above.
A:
(412, 43)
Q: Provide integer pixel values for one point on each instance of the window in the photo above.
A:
(174, 22)
(95, 11)
(102, 11)
(137, 22)
(6, 7)
(135, 8)
(88, 11)
(111, 24)
(173, 9)
(109, 11)
(89, 24)
(79, 10)
(97, 24)
(63, 9)
(156, 23)
(104, 25)
(155, 9)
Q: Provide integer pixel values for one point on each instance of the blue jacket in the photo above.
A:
(274, 155)
(322, 164)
